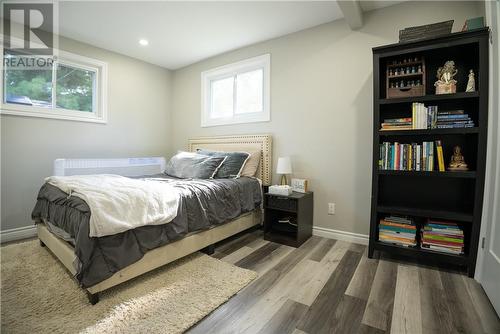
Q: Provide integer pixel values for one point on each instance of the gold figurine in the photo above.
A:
(446, 84)
(457, 162)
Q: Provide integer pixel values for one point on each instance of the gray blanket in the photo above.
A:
(203, 204)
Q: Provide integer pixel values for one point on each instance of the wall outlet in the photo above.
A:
(331, 208)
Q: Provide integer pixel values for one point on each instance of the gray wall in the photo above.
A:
(139, 99)
(321, 103)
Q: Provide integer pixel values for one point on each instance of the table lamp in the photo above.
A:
(284, 167)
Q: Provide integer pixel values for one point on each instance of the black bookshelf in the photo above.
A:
(454, 196)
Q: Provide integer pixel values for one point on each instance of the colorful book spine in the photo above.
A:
(440, 158)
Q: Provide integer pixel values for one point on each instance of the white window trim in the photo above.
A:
(100, 113)
(264, 62)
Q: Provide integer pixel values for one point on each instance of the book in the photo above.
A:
(392, 128)
(450, 121)
(396, 228)
(402, 225)
(451, 112)
(443, 249)
(440, 158)
(454, 126)
(440, 237)
(398, 120)
(455, 116)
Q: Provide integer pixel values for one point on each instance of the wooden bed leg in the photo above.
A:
(209, 250)
(41, 243)
(93, 298)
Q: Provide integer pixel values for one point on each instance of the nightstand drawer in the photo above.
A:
(282, 203)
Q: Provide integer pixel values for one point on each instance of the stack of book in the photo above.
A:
(409, 157)
(453, 119)
(397, 124)
(443, 236)
(399, 231)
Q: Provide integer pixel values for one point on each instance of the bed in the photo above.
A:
(139, 251)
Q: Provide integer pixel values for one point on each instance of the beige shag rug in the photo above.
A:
(39, 296)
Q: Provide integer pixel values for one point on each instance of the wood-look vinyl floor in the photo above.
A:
(329, 286)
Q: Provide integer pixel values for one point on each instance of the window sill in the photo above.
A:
(8, 109)
(231, 121)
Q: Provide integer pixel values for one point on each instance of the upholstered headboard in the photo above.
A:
(243, 143)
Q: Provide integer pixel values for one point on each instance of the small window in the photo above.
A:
(75, 88)
(70, 87)
(236, 93)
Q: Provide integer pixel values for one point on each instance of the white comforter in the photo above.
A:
(118, 203)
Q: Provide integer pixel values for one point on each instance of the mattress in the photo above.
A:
(203, 204)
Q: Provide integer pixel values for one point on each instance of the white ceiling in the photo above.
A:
(182, 33)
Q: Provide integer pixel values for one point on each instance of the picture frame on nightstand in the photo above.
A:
(300, 185)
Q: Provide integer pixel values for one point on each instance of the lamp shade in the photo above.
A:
(284, 165)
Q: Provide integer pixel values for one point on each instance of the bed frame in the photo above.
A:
(194, 242)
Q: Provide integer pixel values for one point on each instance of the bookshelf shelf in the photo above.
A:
(416, 74)
(431, 98)
(456, 197)
(387, 133)
(423, 253)
(419, 212)
(464, 174)
(409, 63)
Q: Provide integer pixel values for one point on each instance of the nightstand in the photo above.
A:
(288, 220)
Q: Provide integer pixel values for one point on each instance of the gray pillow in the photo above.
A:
(187, 165)
(232, 166)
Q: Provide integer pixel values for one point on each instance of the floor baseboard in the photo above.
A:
(341, 235)
(17, 233)
(30, 231)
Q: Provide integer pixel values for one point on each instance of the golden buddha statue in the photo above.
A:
(457, 160)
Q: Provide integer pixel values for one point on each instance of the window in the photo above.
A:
(236, 93)
(70, 87)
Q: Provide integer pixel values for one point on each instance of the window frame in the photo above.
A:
(230, 70)
(99, 99)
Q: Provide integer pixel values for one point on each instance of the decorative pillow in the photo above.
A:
(232, 166)
(187, 165)
(252, 164)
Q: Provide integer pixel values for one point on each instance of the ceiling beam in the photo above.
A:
(353, 14)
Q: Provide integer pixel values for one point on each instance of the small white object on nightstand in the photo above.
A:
(280, 190)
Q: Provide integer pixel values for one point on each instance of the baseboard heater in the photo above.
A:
(122, 166)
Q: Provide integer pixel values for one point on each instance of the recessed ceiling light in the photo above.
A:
(143, 42)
